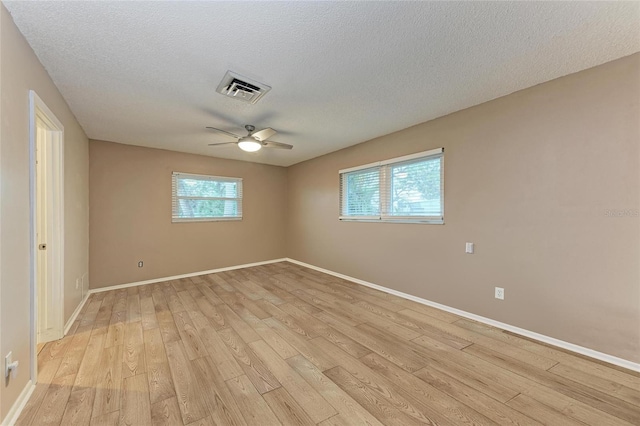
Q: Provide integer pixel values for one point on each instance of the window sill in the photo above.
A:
(403, 220)
(207, 219)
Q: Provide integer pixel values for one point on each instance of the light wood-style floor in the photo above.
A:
(281, 344)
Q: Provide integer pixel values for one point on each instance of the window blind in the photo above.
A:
(404, 189)
(205, 198)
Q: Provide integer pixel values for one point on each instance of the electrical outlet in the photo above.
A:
(500, 293)
(140, 264)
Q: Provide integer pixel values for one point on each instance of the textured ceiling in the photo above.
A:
(145, 73)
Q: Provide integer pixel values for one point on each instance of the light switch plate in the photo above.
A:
(469, 248)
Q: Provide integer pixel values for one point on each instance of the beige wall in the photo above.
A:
(528, 179)
(130, 220)
(20, 72)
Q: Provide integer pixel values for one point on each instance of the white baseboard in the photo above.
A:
(75, 314)
(177, 277)
(521, 331)
(18, 406)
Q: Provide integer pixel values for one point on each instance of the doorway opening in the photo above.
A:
(47, 226)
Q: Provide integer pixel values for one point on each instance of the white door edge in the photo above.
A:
(37, 108)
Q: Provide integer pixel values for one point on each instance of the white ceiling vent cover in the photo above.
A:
(241, 88)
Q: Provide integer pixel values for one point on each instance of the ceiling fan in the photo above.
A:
(254, 140)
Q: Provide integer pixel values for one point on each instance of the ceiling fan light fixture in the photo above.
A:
(249, 144)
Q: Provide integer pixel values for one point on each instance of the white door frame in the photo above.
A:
(37, 108)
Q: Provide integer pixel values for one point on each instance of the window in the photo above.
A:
(405, 189)
(198, 198)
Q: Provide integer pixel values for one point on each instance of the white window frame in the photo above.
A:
(174, 198)
(385, 189)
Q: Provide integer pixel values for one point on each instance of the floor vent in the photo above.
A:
(242, 88)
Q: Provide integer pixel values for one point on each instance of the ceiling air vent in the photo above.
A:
(242, 88)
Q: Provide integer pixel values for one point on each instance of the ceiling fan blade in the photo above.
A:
(279, 145)
(264, 134)
(225, 132)
(223, 143)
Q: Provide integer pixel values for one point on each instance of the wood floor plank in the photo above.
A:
(608, 386)
(346, 406)
(443, 403)
(115, 333)
(333, 307)
(79, 407)
(314, 354)
(490, 407)
(422, 309)
(590, 396)
(133, 308)
(313, 403)
(220, 402)
(345, 343)
(379, 407)
(571, 407)
(531, 358)
(209, 295)
(242, 328)
(238, 301)
(217, 280)
(273, 339)
(158, 372)
(305, 330)
(135, 408)
(108, 386)
(91, 313)
(173, 300)
(46, 373)
(206, 308)
(159, 301)
(148, 313)
(86, 375)
(55, 349)
(73, 356)
(33, 405)
(189, 335)
(167, 326)
(475, 372)
(54, 402)
(286, 297)
(541, 412)
(254, 408)
(395, 353)
(120, 301)
(189, 395)
(109, 419)
(187, 300)
(133, 358)
(286, 408)
(383, 387)
(220, 353)
(166, 412)
(253, 367)
(418, 326)
(319, 328)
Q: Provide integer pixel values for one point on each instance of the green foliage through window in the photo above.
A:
(198, 197)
